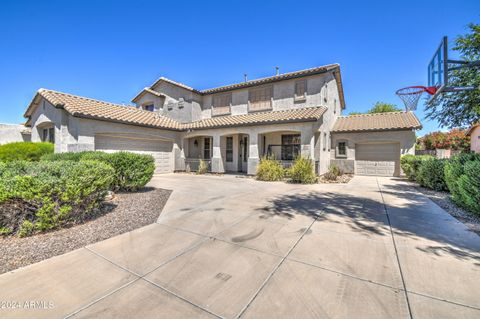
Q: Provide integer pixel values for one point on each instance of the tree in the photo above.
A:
(382, 107)
(462, 108)
(379, 107)
(456, 139)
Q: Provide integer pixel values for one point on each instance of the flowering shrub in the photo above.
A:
(456, 139)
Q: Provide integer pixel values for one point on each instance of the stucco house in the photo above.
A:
(231, 127)
(474, 133)
(10, 133)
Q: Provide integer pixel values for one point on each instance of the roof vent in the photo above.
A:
(245, 77)
(277, 71)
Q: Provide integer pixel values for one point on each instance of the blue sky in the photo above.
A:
(110, 50)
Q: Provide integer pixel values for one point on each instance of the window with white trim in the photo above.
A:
(221, 104)
(206, 148)
(149, 107)
(229, 149)
(260, 98)
(48, 135)
(341, 149)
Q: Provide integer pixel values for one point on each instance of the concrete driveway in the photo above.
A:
(228, 247)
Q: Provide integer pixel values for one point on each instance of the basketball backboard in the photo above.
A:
(438, 69)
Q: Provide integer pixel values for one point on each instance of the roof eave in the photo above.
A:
(378, 129)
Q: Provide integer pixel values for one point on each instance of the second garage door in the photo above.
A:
(380, 159)
(161, 150)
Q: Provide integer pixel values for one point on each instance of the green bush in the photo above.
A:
(302, 171)
(46, 195)
(132, 171)
(469, 186)
(270, 170)
(431, 174)
(463, 181)
(411, 163)
(202, 167)
(333, 172)
(25, 151)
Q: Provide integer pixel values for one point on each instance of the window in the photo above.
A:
(229, 155)
(221, 104)
(335, 106)
(260, 98)
(290, 147)
(341, 149)
(300, 90)
(324, 141)
(149, 107)
(206, 148)
(48, 135)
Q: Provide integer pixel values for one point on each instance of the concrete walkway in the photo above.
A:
(228, 247)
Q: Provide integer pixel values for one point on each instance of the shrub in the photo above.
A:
(431, 174)
(45, 195)
(270, 170)
(26, 151)
(302, 171)
(469, 186)
(335, 170)
(330, 176)
(411, 163)
(463, 181)
(202, 167)
(132, 171)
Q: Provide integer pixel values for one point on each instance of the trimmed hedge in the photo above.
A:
(132, 171)
(25, 151)
(302, 171)
(46, 195)
(270, 170)
(462, 175)
(411, 163)
(431, 174)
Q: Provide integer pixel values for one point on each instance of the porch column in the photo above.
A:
(179, 155)
(307, 138)
(217, 160)
(253, 158)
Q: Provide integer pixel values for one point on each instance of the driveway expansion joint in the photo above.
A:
(395, 249)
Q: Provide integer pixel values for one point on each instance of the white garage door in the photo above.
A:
(160, 150)
(380, 159)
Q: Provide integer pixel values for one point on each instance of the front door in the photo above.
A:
(242, 153)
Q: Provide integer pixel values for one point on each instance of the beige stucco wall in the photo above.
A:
(475, 140)
(10, 133)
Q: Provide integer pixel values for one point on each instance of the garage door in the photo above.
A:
(380, 159)
(160, 150)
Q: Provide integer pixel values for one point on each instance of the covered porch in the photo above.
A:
(234, 151)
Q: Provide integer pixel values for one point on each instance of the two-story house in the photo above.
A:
(231, 127)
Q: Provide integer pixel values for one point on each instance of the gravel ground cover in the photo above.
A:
(443, 200)
(125, 212)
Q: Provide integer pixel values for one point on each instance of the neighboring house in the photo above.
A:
(10, 133)
(231, 127)
(474, 133)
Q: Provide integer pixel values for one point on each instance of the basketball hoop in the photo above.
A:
(411, 95)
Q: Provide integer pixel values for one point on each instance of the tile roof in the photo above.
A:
(275, 78)
(377, 122)
(147, 90)
(308, 114)
(89, 108)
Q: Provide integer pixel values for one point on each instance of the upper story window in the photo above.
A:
(260, 98)
(300, 90)
(221, 104)
(149, 107)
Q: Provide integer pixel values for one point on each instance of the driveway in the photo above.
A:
(229, 247)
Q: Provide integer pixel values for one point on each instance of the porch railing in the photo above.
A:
(192, 164)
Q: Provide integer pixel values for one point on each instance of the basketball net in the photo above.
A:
(411, 95)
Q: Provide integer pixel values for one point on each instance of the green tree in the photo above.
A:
(462, 108)
(382, 107)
